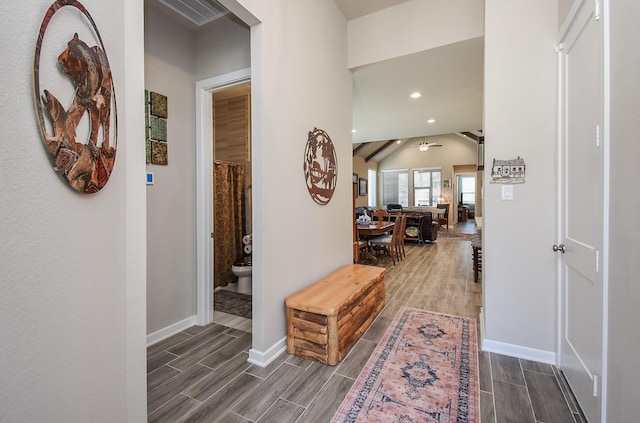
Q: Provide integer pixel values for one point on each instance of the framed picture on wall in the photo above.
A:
(362, 186)
(446, 183)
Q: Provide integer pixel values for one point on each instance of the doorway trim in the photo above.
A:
(456, 192)
(204, 187)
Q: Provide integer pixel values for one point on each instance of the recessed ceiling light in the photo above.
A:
(431, 121)
(416, 95)
(399, 142)
(353, 131)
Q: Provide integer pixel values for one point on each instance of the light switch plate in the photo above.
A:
(150, 178)
(507, 192)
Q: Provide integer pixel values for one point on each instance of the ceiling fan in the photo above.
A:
(424, 146)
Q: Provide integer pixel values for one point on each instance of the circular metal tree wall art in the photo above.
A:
(77, 106)
(320, 166)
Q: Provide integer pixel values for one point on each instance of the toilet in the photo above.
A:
(242, 269)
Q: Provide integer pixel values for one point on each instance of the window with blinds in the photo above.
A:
(395, 187)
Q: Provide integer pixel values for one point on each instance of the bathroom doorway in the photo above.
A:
(205, 245)
(231, 197)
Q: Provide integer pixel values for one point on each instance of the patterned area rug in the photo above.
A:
(232, 303)
(425, 369)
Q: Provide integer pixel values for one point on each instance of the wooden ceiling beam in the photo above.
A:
(476, 138)
(470, 135)
(359, 148)
(382, 148)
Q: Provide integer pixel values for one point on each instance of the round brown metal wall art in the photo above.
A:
(79, 100)
(320, 166)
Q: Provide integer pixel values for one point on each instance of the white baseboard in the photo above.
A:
(256, 357)
(262, 359)
(157, 336)
(519, 351)
(482, 331)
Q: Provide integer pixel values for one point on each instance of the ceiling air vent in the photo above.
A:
(200, 12)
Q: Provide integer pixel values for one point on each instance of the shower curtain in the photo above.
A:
(228, 219)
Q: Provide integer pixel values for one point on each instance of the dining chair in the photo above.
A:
(444, 219)
(389, 242)
(381, 215)
(362, 244)
(401, 226)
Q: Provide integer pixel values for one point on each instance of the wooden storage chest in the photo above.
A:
(326, 319)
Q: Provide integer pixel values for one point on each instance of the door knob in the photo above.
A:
(559, 248)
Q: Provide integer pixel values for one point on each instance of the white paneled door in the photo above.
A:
(581, 166)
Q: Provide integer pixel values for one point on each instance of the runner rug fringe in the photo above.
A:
(424, 369)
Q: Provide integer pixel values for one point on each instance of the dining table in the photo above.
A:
(372, 229)
(375, 228)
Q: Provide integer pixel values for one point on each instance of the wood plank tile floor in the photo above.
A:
(202, 374)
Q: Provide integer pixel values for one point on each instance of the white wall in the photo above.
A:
(411, 27)
(624, 291)
(169, 70)
(299, 81)
(175, 58)
(222, 48)
(72, 305)
(519, 287)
